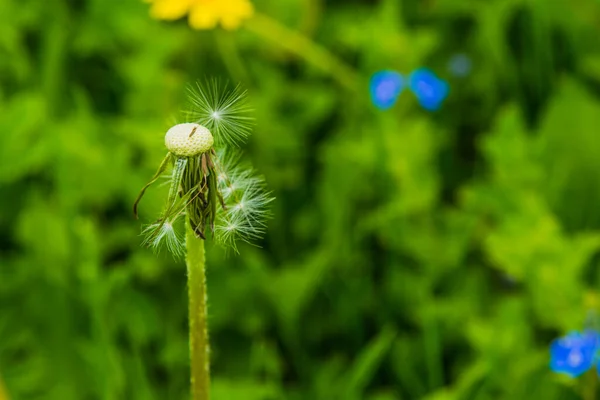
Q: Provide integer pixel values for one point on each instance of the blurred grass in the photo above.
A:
(412, 255)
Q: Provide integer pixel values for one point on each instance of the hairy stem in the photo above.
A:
(199, 348)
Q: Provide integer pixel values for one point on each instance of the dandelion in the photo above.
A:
(212, 188)
(430, 90)
(385, 88)
(204, 14)
(575, 353)
(220, 198)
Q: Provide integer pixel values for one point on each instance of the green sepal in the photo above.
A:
(161, 169)
(212, 198)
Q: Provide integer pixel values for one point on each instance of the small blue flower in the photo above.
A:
(385, 88)
(575, 353)
(460, 65)
(429, 89)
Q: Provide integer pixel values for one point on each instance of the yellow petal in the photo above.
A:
(236, 11)
(245, 8)
(170, 9)
(231, 22)
(203, 17)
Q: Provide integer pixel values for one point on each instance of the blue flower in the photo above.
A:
(429, 89)
(460, 65)
(385, 88)
(575, 353)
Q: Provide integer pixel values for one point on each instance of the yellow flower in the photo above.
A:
(204, 14)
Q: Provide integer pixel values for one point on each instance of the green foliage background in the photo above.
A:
(411, 255)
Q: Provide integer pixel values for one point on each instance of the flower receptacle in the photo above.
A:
(188, 140)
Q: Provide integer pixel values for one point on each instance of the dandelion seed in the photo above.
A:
(164, 232)
(221, 109)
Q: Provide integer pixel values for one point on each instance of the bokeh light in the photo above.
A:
(385, 87)
(575, 353)
(460, 65)
(430, 90)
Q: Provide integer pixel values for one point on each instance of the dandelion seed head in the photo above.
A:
(189, 139)
(207, 183)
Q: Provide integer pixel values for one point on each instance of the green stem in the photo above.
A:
(302, 46)
(310, 17)
(589, 385)
(231, 56)
(199, 348)
(3, 392)
(54, 54)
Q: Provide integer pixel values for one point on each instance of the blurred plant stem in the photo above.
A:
(433, 358)
(589, 385)
(3, 392)
(231, 56)
(54, 56)
(199, 347)
(302, 46)
(310, 17)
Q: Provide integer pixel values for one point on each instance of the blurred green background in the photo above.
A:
(412, 255)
